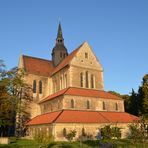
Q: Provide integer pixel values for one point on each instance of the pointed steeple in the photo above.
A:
(59, 39)
(59, 52)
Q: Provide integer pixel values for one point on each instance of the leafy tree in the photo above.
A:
(143, 97)
(14, 100)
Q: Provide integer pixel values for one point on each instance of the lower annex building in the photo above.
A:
(68, 93)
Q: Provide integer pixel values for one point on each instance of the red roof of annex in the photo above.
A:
(77, 116)
(81, 92)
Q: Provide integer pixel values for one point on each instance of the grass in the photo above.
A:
(24, 143)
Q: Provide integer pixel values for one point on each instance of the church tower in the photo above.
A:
(59, 52)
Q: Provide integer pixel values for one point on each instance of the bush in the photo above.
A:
(43, 138)
(109, 132)
(71, 135)
(139, 131)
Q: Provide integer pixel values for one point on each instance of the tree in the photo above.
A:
(14, 100)
(143, 96)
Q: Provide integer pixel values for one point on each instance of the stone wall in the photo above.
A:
(52, 105)
(90, 129)
(96, 104)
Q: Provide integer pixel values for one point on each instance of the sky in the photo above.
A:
(116, 30)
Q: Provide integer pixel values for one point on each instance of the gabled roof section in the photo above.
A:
(45, 118)
(77, 116)
(82, 92)
(66, 61)
(37, 66)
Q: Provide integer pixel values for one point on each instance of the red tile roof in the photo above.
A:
(45, 118)
(81, 92)
(121, 117)
(75, 116)
(44, 67)
(37, 66)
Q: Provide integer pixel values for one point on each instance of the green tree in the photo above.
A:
(143, 97)
(14, 100)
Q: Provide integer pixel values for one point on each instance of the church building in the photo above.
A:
(68, 93)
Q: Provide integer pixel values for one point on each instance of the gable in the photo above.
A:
(86, 58)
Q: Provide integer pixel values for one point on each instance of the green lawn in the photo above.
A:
(23, 143)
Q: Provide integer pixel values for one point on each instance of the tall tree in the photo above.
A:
(14, 101)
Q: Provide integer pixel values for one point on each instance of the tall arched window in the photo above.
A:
(64, 132)
(72, 103)
(92, 81)
(86, 79)
(116, 106)
(81, 79)
(40, 87)
(104, 106)
(65, 80)
(88, 104)
(34, 86)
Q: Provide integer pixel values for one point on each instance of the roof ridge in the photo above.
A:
(58, 116)
(104, 117)
(36, 58)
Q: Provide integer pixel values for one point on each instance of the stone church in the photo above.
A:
(68, 93)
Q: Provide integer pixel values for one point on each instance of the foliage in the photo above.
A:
(110, 132)
(43, 138)
(14, 99)
(71, 135)
(139, 131)
(137, 102)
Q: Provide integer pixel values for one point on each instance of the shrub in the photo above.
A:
(71, 135)
(43, 138)
(139, 131)
(108, 132)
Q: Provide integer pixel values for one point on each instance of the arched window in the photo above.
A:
(92, 81)
(104, 106)
(65, 80)
(64, 132)
(40, 87)
(34, 86)
(83, 132)
(81, 79)
(86, 79)
(88, 104)
(72, 103)
(116, 106)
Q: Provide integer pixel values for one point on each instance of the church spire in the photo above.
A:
(59, 39)
(59, 52)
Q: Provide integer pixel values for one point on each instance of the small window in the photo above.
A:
(86, 55)
(40, 87)
(88, 104)
(34, 86)
(72, 103)
(104, 106)
(64, 132)
(116, 106)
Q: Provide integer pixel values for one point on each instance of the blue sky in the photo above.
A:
(117, 31)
